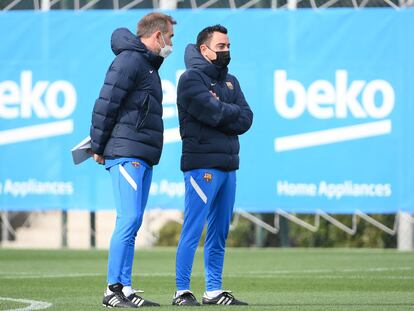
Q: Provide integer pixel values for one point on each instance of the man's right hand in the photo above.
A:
(215, 95)
(98, 159)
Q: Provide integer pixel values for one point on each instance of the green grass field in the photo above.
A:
(269, 279)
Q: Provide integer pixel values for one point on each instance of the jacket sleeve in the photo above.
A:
(245, 119)
(119, 80)
(196, 99)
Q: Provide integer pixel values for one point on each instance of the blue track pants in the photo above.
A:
(209, 197)
(131, 182)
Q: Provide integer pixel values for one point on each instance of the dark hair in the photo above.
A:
(205, 35)
(153, 22)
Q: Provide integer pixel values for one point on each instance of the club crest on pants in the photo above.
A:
(208, 177)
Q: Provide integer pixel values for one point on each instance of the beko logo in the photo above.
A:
(43, 100)
(359, 99)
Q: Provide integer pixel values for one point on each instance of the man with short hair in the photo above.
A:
(212, 113)
(127, 137)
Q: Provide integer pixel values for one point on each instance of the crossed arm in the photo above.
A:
(203, 105)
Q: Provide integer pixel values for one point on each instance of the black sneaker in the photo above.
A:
(225, 298)
(117, 299)
(141, 302)
(185, 299)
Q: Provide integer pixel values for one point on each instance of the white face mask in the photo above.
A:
(166, 50)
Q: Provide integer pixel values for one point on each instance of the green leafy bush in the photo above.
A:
(294, 235)
(241, 236)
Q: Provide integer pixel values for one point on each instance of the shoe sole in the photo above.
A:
(186, 305)
(107, 306)
(215, 304)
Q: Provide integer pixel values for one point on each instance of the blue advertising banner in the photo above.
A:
(330, 89)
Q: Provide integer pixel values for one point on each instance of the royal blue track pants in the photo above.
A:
(131, 183)
(209, 197)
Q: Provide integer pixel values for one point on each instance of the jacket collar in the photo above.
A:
(194, 59)
(122, 39)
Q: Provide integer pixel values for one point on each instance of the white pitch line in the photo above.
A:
(311, 271)
(261, 273)
(258, 276)
(41, 276)
(33, 304)
(336, 276)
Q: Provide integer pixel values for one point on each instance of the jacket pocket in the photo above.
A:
(144, 112)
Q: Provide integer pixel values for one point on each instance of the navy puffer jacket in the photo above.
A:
(209, 127)
(127, 116)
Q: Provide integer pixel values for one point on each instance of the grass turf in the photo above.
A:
(269, 279)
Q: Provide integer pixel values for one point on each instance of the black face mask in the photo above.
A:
(222, 60)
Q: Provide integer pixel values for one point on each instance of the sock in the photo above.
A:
(108, 292)
(127, 290)
(180, 292)
(113, 288)
(213, 293)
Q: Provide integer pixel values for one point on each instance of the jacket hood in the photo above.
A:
(123, 39)
(194, 59)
